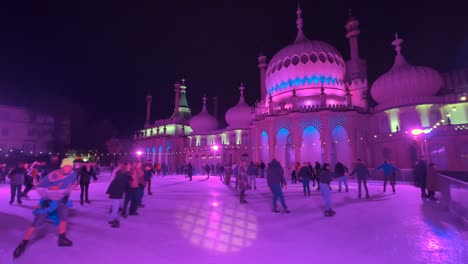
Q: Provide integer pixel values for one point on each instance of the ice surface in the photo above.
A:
(203, 222)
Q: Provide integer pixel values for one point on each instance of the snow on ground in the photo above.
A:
(202, 222)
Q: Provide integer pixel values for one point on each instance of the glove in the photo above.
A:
(46, 203)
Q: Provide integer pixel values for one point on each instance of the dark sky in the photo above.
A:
(105, 55)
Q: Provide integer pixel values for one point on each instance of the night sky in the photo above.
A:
(105, 55)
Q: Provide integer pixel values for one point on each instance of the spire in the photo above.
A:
(299, 23)
(399, 58)
(204, 103)
(241, 98)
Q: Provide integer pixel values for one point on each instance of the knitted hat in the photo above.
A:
(67, 162)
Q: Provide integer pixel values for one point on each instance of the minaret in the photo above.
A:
(176, 100)
(352, 33)
(184, 111)
(262, 65)
(149, 99)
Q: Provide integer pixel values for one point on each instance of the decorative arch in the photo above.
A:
(311, 150)
(284, 149)
(340, 147)
(264, 147)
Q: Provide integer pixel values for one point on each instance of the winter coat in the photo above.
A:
(361, 171)
(17, 176)
(433, 177)
(118, 186)
(85, 175)
(340, 169)
(326, 176)
(305, 173)
(252, 169)
(262, 166)
(242, 179)
(275, 173)
(387, 168)
(148, 174)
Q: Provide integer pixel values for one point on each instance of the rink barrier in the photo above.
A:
(455, 197)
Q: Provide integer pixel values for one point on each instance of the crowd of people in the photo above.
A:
(55, 180)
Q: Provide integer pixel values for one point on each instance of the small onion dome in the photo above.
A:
(240, 115)
(404, 80)
(203, 122)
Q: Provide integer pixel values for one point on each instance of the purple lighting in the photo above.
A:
(139, 153)
(215, 147)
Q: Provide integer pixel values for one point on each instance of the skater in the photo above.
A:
(207, 170)
(17, 176)
(3, 173)
(130, 194)
(432, 181)
(234, 173)
(340, 171)
(312, 170)
(421, 174)
(306, 174)
(54, 190)
(326, 176)
(84, 178)
(221, 172)
(275, 178)
(148, 175)
(317, 169)
(389, 175)
(243, 181)
(28, 179)
(228, 169)
(293, 176)
(140, 176)
(252, 174)
(116, 190)
(362, 173)
(190, 171)
(262, 169)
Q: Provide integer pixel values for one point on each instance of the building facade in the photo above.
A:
(316, 105)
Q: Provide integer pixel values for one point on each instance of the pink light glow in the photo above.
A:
(418, 131)
(139, 153)
(214, 204)
(215, 147)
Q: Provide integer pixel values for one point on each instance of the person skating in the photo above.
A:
(362, 173)
(190, 171)
(433, 184)
(54, 190)
(28, 179)
(306, 174)
(340, 171)
(388, 171)
(275, 178)
(243, 181)
(228, 169)
(130, 194)
(312, 170)
(17, 176)
(148, 175)
(421, 173)
(317, 169)
(252, 174)
(84, 178)
(207, 170)
(262, 169)
(139, 173)
(326, 176)
(116, 190)
(3, 173)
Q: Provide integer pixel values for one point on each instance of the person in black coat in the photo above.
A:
(84, 178)
(116, 191)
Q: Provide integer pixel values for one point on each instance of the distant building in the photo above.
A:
(32, 133)
(316, 105)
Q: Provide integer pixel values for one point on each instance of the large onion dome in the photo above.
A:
(240, 115)
(203, 122)
(404, 80)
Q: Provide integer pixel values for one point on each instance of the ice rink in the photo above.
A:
(203, 222)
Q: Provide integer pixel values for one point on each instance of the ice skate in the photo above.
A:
(64, 241)
(20, 249)
(276, 211)
(115, 224)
